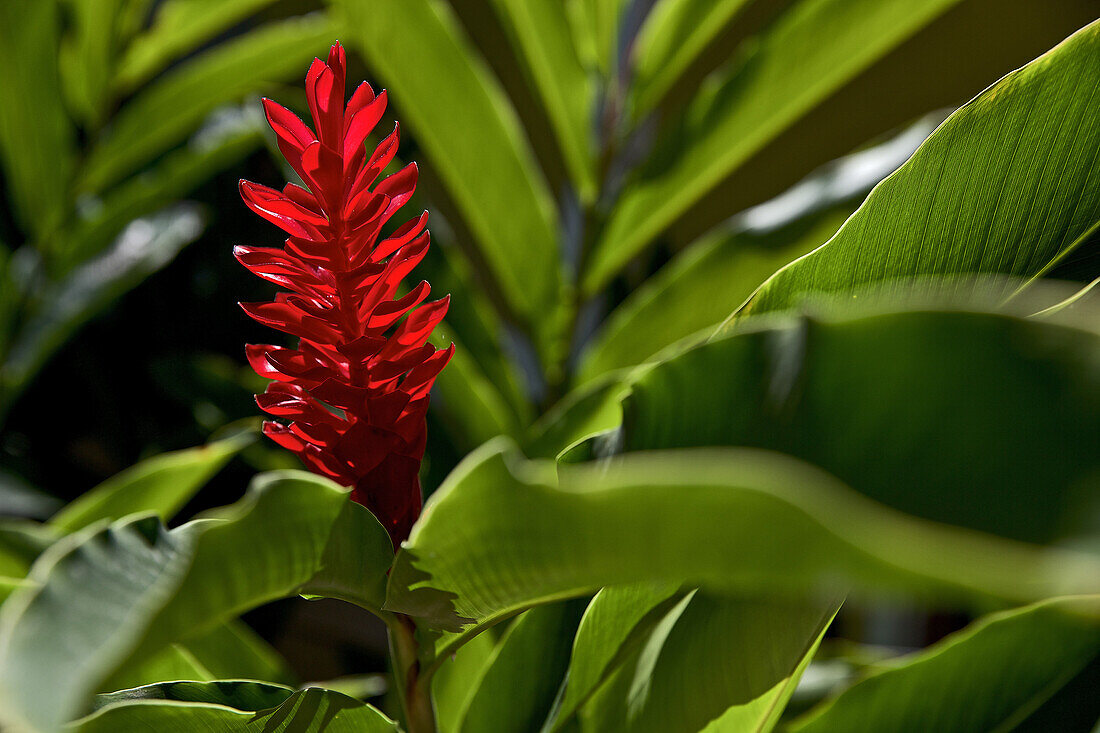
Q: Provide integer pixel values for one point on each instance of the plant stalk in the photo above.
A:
(412, 690)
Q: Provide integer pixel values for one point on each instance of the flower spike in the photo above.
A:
(354, 393)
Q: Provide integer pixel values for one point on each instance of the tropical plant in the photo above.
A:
(667, 513)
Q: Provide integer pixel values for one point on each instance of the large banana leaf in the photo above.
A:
(951, 416)
(1005, 185)
(805, 387)
(106, 596)
(993, 675)
(491, 542)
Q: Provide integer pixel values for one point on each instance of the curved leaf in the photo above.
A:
(1005, 185)
(950, 416)
(312, 710)
(517, 686)
(294, 533)
(714, 664)
(239, 694)
(492, 540)
(812, 50)
(615, 622)
(990, 676)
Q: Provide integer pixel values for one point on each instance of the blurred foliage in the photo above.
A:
(612, 184)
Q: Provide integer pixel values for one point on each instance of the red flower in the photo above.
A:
(356, 388)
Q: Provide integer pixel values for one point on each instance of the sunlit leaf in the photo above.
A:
(1031, 140)
(811, 51)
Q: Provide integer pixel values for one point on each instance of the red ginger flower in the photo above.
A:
(343, 281)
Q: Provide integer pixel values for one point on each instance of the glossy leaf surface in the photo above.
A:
(1005, 185)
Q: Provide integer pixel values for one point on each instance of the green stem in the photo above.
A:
(412, 688)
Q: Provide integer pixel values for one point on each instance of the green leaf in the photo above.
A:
(312, 710)
(164, 113)
(714, 664)
(456, 680)
(595, 26)
(990, 676)
(614, 624)
(1031, 139)
(502, 535)
(540, 33)
(870, 398)
(474, 143)
(37, 140)
(517, 686)
(672, 37)
(809, 53)
(145, 246)
(588, 410)
(239, 694)
(471, 401)
(178, 27)
(697, 290)
(294, 533)
(161, 485)
(87, 56)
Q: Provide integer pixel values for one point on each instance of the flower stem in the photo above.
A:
(412, 690)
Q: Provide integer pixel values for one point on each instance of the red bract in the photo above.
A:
(355, 390)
